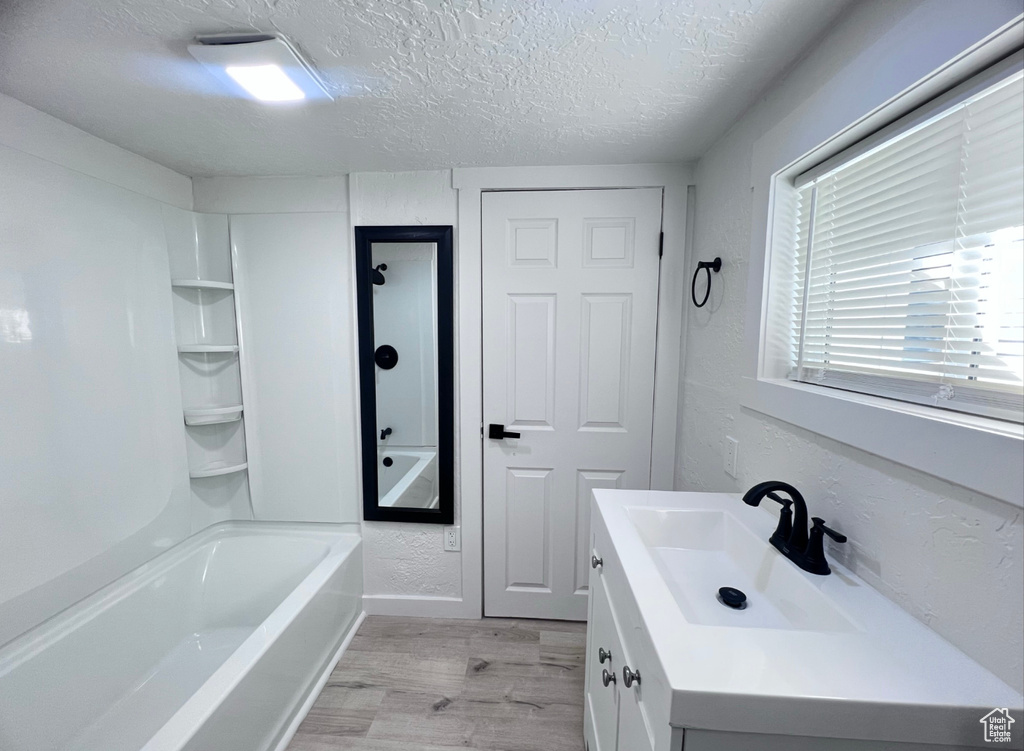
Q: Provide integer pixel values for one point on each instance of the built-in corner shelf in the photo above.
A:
(204, 348)
(217, 469)
(201, 284)
(206, 309)
(213, 415)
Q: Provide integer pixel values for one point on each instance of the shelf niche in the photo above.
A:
(209, 364)
(209, 380)
(204, 316)
(198, 246)
(215, 448)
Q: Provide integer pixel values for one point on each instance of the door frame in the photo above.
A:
(471, 183)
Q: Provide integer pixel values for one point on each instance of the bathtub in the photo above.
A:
(411, 480)
(221, 642)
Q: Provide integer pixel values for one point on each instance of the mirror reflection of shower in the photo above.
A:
(405, 366)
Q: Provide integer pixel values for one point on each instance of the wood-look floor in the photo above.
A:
(440, 685)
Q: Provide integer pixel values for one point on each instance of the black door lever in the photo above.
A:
(497, 432)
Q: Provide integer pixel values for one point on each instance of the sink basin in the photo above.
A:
(820, 657)
(699, 551)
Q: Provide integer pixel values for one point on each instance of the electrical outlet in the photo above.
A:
(452, 539)
(732, 455)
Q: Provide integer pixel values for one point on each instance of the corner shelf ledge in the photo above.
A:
(216, 470)
(194, 348)
(201, 284)
(213, 415)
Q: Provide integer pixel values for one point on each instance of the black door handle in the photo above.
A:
(497, 432)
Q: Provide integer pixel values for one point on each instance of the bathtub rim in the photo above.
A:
(31, 642)
(186, 721)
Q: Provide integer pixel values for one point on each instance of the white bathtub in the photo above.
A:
(218, 643)
(411, 480)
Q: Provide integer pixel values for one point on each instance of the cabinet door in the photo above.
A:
(633, 734)
(602, 700)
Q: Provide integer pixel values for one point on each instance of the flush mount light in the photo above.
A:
(268, 83)
(259, 66)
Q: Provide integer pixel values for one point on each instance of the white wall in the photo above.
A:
(951, 557)
(408, 560)
(293, 278)
(93, 479)
(408, 572)
(270, 195)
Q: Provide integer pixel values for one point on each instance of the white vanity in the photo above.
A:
(812, 663)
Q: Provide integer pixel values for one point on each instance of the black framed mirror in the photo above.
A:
(404, 282)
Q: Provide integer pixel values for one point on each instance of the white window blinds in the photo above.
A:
(909, 263)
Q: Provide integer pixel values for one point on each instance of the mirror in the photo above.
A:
(406, 363)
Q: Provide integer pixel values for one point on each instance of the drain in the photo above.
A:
(732, 598)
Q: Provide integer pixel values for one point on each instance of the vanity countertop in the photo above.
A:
(873, 672)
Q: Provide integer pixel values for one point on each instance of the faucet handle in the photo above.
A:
(784, 529)
(813, 560)
(819, 523)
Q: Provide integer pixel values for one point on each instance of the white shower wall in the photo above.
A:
(293, 277)
(93, 475)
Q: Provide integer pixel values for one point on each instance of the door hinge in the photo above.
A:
(661, 244)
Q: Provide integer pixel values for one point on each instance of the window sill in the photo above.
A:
(980, 454)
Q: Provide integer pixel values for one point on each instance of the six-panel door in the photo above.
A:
(570, 291)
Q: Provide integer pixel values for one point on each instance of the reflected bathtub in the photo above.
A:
(411, 481)
(219, 643)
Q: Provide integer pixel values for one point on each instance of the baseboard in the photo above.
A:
(414, 606)
(314, 693)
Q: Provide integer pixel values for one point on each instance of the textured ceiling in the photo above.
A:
(420, 84)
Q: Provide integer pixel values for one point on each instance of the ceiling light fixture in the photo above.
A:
(268, 83)
(261, 66)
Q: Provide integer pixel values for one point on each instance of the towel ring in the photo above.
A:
(708, 266)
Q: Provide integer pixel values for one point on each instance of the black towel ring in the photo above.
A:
(708, 266)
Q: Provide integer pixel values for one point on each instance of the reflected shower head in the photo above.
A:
(378, 278)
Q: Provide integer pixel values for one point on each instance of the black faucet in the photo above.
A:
(790, 537)
(385, 433)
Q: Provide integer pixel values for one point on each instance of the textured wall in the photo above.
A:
(951, 557)
(407, 559)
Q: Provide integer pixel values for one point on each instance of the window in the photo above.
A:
(908, 271)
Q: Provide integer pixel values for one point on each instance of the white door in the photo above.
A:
(570, 303)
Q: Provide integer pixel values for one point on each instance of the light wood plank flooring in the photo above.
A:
(440, 685)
